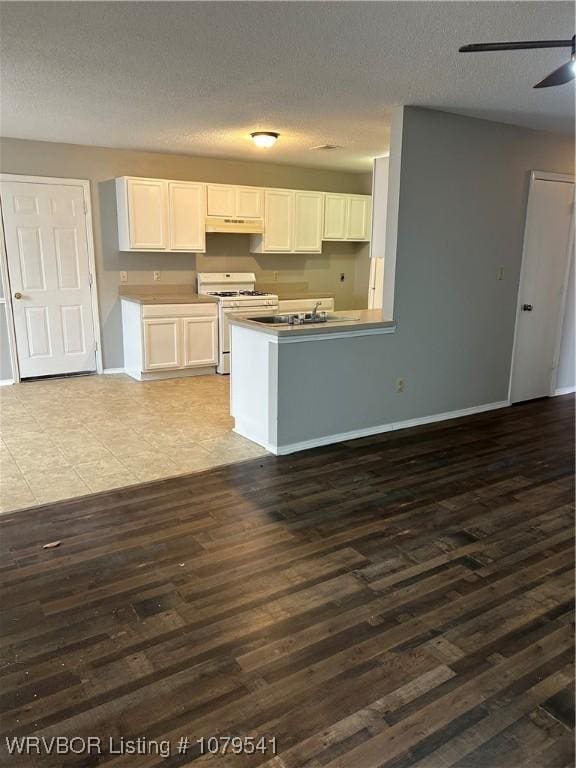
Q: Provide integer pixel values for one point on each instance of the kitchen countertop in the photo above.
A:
(353, 320)
(177, 297)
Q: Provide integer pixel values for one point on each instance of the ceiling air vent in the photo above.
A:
(328, 147)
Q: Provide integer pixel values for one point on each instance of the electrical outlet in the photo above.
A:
(342, 277)
(500, 273)
(275, 277)
(399, 385)
(123, 277)
(156, 276)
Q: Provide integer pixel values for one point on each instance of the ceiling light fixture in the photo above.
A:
(264, 139)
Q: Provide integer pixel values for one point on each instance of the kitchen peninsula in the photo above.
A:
(299, 386)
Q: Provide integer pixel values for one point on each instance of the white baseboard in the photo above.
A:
(368, 431)
(564, 391)
(113, 370)
(167, 374)
(6, 382)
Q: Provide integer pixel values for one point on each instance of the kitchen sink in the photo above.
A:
(272, 319)
(299, 319)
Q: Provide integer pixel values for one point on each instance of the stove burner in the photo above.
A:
(226, 294)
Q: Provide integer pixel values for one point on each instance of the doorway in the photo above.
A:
(49, 276)
(548, 242)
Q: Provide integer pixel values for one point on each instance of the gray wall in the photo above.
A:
(567, 359)
(463, 193)
(224, 252)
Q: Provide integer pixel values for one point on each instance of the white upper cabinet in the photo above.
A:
(160, 215)
(292, 222)
(308, 215)
(228, 201)
(359, 210)
(249, 203)
(335, 216)
(278, 221)
(142, 209)
(186, 205)
(347, 217)
(173, 216)
(221, 200)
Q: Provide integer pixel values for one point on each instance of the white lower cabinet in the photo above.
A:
(199, 341)
(169, 339)
(161, 343)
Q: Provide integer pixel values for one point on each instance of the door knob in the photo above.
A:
(527, 307)
(17, 295)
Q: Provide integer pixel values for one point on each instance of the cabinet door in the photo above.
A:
(147, 217)
(359, 218)
(335, 216)
(278, 220)
(249, 203)
(221, 200)
(200, 341)
(161, 343)
(187, 216)
(308, 222)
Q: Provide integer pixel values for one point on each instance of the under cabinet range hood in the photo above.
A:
(237, 225)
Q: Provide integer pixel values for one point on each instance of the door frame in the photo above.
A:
(84, 184)
(543, 176)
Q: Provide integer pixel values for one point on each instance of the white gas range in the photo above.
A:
(236, 294)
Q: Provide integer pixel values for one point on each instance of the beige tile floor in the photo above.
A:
(62, 438)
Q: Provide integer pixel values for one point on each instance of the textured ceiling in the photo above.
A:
(196, 78)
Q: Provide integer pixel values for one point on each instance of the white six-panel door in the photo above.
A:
(49, 274)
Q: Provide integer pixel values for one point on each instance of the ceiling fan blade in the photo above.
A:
(521, 45)
(562, 75)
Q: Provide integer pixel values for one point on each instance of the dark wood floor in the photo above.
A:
(402, 600)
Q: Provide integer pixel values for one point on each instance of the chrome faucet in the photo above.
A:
(314, 312)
